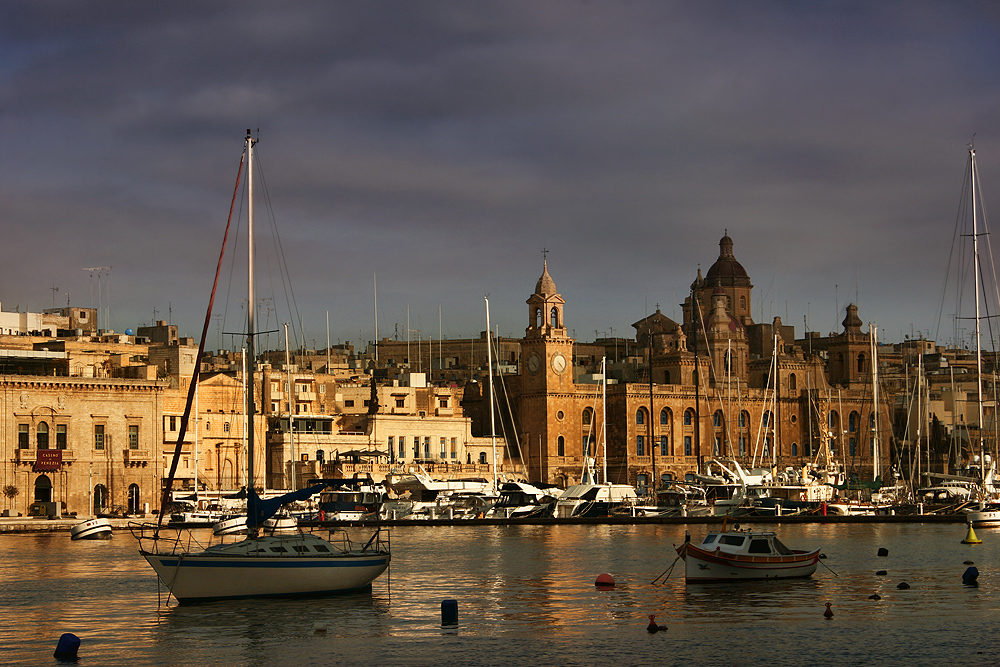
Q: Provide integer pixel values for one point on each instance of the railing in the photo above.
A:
(25, 455)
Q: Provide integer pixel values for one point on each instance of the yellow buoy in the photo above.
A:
(971, 538)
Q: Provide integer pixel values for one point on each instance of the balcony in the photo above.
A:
(135, 456)
(25, 455)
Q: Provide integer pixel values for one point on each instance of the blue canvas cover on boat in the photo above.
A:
(260, 510)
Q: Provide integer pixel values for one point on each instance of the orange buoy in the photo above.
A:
(829, 612)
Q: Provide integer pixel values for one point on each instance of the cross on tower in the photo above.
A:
(545, 254)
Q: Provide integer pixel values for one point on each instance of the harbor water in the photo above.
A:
(526, 596)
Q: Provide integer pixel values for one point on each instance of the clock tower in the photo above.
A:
(546, 406)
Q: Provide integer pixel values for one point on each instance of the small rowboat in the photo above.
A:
(95, 529)
(733, 555)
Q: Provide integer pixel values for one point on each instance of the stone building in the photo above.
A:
(86, 444)
(715, 385)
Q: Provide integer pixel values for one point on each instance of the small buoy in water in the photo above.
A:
(902, 585)
(970, 576)
(970, 537)
(967, 562)
(874, 596)
(883, 551)
(881, 573)
(605, 581)
(66, 649)
(829, 612)
(822, 555)
(319, 626)
(653, 627)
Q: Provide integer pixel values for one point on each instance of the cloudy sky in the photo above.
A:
(443, 145)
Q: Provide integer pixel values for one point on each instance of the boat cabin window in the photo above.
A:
(781, 548)
(322, 547)
(300, 549)
(734, 540)
(279, 549)
(759, 547)
(709, 539)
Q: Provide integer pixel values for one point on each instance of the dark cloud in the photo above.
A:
(443, 145)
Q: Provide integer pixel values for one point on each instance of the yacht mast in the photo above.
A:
(251, 300)
(489, 365)
(876, 449)
(979, 350)
(604, 421)
(291, 413)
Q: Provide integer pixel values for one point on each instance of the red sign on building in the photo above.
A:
(48, 460)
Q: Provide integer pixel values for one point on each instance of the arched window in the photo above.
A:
(795, 449)
(588, 415)
(664, 417)
(744, 419)
(664, 445)
(133, 499)
(554, 317)
(42, 435)
(640, 446)
(834, 422)
(743, 303)
(537, 317)
(640, 416)
(482, 457)
(666, 377)
(687, 445)
(694, 377)
(767, 419)
(861, 362)
(791, 382)
(560, 446)
(717, 419)
(852, 421)
(871, 421)
(688, 417)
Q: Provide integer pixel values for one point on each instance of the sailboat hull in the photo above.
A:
(203, 577)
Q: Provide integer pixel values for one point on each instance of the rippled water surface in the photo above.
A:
(526, 597)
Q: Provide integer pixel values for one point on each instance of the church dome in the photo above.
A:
(726, 270)
(545, 284)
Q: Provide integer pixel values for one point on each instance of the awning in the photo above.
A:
(48, 460)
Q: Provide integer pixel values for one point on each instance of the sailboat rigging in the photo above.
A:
(279, 564)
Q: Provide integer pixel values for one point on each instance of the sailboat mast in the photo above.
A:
(251, 299)
(489, 366)
(979, 349)
(604, 421)
(291, 416)
(876, 449)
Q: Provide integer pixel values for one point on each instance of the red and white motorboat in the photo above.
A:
(733, 555)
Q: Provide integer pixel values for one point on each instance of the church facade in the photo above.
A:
(715, 385)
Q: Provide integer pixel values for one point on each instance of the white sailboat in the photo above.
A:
(278, 564)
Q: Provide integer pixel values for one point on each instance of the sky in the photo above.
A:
(436, 149)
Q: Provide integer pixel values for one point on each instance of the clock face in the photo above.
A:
(558, 363)
(534, 363)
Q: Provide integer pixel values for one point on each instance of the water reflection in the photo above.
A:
(526, 594)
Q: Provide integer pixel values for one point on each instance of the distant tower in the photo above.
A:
(547, 381)
(850, 352)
